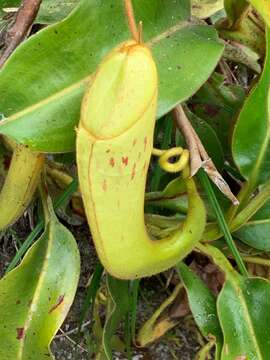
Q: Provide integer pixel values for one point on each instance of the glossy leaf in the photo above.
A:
(244, 313)
(43, 104)
(119, 292)
(173, 197)
(55, 10)
(255, 232)
(59, 201)
(50, 10)
(251, 137)
(36, 296)
(202, 304)
(209, 139)
(219, 104)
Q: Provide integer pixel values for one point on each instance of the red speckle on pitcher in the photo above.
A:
(112, 162)
(125, 160)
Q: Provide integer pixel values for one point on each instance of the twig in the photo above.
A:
(73, 331)
(198, 155)
(186, 129)
(228, 73)
(73, 342)
(213, 174)
(24, 20)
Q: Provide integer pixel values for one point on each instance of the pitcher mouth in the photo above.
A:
(130, 45)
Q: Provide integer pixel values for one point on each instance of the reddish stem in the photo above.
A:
(131, 20)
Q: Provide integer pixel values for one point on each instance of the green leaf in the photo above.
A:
(174, 199)
(42, 104)
(73, 186)
(55, 10)
(206, 8)
(244, 313)
(263, 213)
(8, 4)
(251, 137)
(36, 296)
(119, 292)
(209, 139)
(255, 232)
(4, 16)
(202, 304)
(92, 289)
(50, 10)
(219, 104)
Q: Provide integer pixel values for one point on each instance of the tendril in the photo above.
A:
(165, 155)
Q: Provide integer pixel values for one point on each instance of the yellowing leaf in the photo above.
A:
(263, 7)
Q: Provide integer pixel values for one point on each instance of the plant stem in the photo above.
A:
(131, 21)
(43, 193)
(91, 293)
(127, 330)
(134, 300)
(222, 222)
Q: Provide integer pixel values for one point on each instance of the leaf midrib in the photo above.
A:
(37, 292)
(257, 222)
(239, 292)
